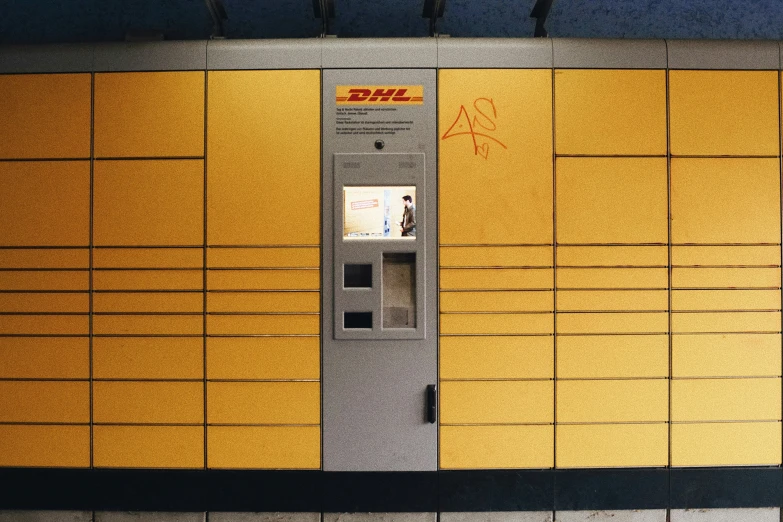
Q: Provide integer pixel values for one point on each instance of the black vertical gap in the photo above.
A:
(554, 281)
(204, 267)
(91, 246)
(670, 271)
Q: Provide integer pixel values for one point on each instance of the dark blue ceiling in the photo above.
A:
(56, 21)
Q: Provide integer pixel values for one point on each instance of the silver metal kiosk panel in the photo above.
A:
(379, 326)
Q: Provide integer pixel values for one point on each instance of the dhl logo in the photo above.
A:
(380, 94)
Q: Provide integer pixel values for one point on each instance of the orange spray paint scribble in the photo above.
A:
(477, 127)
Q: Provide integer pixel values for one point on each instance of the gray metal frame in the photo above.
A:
(379, 170)
(386, 53)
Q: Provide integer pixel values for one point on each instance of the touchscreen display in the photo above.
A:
(379, 212)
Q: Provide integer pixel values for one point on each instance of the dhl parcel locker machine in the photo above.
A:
(379, 313)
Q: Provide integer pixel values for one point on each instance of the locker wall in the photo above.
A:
(609, 248)
(663, 234)
(159, 278)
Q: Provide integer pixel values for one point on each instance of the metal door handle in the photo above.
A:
(432, 403)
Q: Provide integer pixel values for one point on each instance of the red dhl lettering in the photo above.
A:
(383, 95)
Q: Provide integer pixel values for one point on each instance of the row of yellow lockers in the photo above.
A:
(598, 200)
(461, 446)
(464, 323)
(461, 357)
(597, 112)
(610, 356)
(181, 258)
(128, 402)
(611, 445)
(462, 402)
(238, 447)
(239, 358)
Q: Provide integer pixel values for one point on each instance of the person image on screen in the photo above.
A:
(408, 223)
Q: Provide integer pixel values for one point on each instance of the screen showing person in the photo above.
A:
(379, 212)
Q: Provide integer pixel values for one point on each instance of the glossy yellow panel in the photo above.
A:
(263, 280)
(255, 169)
(639, 255)
(613, 322)
(264, 302)
(276, 324)
(725, 255)
(45, 446)
(613, 401)
(725, 299)
(268, 447)
(149, 302)
(148, 402)
(496, 324)
(264, 402)
(610, 112)
(148, 258)
(725, 399)
(612, 445)
(612, 200)
(45, 303)
(149, 114)
(149, 446)
(44, 401)
(487, 447)
(263, 257)
(488, 278)
(503, 179)
(45, 280)
(619, 356)
(148, 280)
(44, 324)
(148, 324)
(263, 358)
(488, 256)
(504, 357)
(726, 322)
(148, 358)
(725, 277)
(730, 444)
(44, 358)
(494, 402)
(742, 355)
(613, 300)
(612, 278)
(45, 203)
(45, 116)
(535, 301)
(718, 113)
(149, 202)
(45, 258)
(725, 200)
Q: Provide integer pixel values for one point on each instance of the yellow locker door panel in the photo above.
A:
(495, 156)
(725, 200)
(45, 203)
(149, 114)
(610, 112)
(45, 116)
(611, 200)
(720, 113)
(149, 202)
(264, 157)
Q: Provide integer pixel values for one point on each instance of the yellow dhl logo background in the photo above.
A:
(380, 94)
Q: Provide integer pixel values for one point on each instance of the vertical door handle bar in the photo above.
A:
(432, 403)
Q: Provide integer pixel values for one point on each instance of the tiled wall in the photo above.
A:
(203, 343)
(616, 303)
